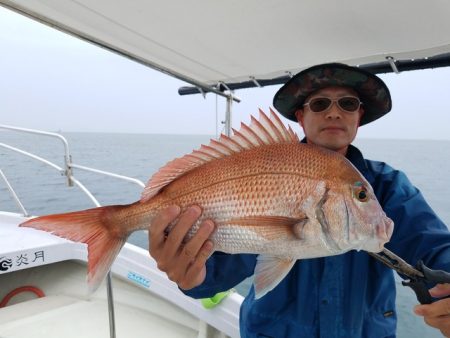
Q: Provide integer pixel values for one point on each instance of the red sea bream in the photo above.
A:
(267, 193)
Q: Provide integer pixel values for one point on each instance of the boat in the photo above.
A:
(43, 291)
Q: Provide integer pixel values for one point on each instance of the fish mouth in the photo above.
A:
(383, 232)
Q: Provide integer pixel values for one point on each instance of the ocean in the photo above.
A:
(42, 189)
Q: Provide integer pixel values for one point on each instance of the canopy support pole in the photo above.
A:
(228, 115)
(391, 61)
(230, 97)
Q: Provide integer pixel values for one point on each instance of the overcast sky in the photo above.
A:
(52, 81)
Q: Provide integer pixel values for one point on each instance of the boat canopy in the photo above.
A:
(218, 45)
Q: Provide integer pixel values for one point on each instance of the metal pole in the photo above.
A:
(391, 61)
(112, 320)
(228, 114)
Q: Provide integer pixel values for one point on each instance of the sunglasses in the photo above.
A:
(349, 104)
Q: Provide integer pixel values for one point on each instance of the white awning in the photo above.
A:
(205, 42)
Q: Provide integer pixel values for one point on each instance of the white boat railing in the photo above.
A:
(13, 194)
(71, 180)
(68, 164)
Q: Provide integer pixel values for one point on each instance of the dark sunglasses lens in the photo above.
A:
(319, 104)
(349, 104)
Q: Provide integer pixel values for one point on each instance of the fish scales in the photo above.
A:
(250, 184)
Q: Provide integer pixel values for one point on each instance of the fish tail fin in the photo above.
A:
(97, 227)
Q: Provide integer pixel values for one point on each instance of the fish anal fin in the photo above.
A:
(269, 272)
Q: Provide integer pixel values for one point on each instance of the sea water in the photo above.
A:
(43, 189)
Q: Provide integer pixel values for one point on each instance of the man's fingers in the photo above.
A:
(196, 272)
(157, 229)
(437, 314)
(436, 309)
(191, 249)
(190, 269)
(441, 323)
(184, 263)
(437, 322)
(177, 234)
(440, 290)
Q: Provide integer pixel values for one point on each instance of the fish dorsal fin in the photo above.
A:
(260, 132)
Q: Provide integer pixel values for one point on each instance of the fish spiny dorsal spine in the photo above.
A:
(263, 131)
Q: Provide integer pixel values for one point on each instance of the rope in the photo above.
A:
(38, 292)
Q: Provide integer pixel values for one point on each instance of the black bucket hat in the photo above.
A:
(372, 91)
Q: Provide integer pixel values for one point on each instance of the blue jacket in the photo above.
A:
(349, 295)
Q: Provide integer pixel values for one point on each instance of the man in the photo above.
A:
(349, 295)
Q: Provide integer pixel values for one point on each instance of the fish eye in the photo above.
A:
(360, 193)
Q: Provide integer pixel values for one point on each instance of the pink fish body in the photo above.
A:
(267, 193)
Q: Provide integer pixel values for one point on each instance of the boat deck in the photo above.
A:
(66, 312)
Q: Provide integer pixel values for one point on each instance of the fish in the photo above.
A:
(268, 194)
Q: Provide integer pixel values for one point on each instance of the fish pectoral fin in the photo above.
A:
(269, 272)
(297, 229)
(274, 226)
(267, 220)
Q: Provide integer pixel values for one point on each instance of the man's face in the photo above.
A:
(333, 128)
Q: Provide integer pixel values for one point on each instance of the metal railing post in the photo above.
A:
(112, 316)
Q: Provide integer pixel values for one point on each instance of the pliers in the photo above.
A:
(419, 277)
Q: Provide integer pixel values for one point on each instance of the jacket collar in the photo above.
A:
(355, 156)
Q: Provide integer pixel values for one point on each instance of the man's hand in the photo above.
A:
(183, 262)
(437, 314)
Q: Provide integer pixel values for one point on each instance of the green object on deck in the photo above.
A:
(209, 303)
